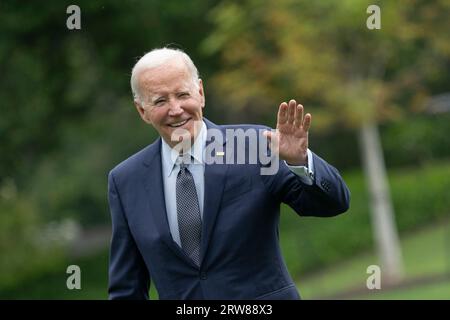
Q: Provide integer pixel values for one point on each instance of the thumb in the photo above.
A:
(267, 134)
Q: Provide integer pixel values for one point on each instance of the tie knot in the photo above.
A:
(184, 160)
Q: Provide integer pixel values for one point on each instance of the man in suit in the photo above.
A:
(208, 229)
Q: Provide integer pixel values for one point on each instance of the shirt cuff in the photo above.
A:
(305, 173)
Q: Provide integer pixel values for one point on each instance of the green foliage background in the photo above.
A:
(67, 117)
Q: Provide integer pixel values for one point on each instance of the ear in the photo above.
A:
(201, 92)
(142, 112)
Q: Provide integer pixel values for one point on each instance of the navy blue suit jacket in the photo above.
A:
(240, 253)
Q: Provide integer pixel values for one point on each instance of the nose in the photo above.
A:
(175, 108)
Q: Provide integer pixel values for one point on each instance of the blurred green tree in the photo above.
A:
(53, 77)
(347, 75)
(67, 115)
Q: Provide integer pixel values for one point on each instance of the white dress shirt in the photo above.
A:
(170, 171)
(197, 168)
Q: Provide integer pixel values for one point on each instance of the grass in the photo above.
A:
(439, 291)
(52, 285)
(426, 252)
(309, 244)
(419, 194)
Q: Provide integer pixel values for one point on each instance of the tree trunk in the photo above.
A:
(382, 213)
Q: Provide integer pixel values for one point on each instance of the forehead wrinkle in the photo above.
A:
(164, 79)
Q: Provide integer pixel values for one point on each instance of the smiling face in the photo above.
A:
(171, 99)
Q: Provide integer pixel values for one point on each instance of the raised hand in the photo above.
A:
(291, 133)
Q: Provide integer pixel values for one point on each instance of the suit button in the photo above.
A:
(203, 275)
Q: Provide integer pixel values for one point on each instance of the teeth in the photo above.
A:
(178, 124)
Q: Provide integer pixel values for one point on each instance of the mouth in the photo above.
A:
(179, 124)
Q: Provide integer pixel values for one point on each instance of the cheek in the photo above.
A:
(155, 117)
(196, 106)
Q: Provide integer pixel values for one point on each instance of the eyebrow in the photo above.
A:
(156, 96)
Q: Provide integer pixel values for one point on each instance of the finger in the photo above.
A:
(291, 111)
(282, 113)
(267, 134)
(307, 122)
(299, 116)
(272, 139)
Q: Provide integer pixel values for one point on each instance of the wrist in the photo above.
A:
(298, 162)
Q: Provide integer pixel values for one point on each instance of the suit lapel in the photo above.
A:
(154, 188)
(215, 176)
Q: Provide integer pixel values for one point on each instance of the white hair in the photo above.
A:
(156, 58)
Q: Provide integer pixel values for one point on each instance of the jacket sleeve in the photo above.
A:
(128, 275)
(327, 196)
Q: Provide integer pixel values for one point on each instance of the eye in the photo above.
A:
(159, 102)
(183, 95)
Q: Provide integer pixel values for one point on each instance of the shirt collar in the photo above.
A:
(169, 155)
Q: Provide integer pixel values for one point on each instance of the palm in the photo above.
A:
(292, 133)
